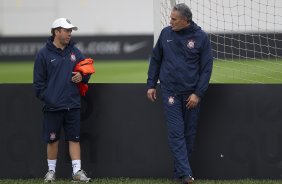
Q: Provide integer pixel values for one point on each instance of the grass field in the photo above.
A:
(247, 71)
(136, 72)
(106, 72)
(146, 181)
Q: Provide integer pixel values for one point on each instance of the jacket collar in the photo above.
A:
(51, 46)
(191, 28)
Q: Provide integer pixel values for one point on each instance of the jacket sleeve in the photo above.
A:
(39, 76)
(206, 64)
(155, 65)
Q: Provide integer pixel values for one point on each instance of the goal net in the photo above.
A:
(246, 36)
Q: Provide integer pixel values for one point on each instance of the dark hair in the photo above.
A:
(53, 30)
(184, 10)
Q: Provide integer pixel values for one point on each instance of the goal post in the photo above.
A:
(162, 9)
(246, 36)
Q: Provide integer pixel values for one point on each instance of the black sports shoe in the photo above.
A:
(187, 180)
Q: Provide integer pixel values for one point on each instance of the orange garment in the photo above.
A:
(85, 67)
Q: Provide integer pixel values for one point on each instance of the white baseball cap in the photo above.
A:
(64, 23)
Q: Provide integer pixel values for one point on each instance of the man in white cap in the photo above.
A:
(55, 84)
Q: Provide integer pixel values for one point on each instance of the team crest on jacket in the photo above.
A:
(72, 57)
(171, 100)
(191, 44)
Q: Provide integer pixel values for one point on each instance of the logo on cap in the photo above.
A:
(68, 21)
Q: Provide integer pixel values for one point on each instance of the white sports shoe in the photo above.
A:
(49, 177)
(80, 176)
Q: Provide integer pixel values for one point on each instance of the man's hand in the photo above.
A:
(192, 101)
(77, 77)
(152, 94)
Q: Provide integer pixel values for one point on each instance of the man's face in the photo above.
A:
(176, 21)
(64, 36)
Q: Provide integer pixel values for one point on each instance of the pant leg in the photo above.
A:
(52, 122)
(191, 121)
(72, 125)
(176, 139)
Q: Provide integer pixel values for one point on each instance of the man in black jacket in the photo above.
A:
(182, 62)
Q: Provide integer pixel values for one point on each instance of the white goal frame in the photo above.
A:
(240, 31)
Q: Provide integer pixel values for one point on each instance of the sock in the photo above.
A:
(52, 165)
(76, 165)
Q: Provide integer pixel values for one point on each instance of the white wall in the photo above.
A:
(34, 17)
(103, 17)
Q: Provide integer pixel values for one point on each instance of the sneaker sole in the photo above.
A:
(49, 181)
(74, 181)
